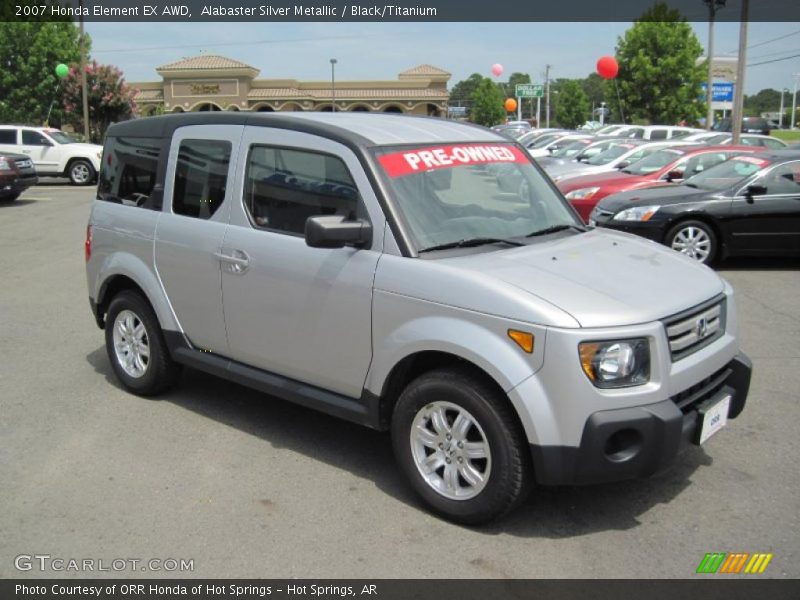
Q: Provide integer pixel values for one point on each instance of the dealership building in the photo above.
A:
(210, 83)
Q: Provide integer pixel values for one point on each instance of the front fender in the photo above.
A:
(403, 326)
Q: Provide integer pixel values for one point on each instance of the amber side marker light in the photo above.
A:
(587, 352)
(523, 339)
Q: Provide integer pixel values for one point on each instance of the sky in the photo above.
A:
(381, 50)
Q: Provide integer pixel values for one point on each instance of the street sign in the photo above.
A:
(529, 90)
(457, 111)
(720, 92)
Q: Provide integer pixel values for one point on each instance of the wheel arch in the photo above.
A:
(722, 246)
(121, 280)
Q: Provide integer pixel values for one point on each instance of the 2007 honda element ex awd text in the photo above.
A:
(372, 266)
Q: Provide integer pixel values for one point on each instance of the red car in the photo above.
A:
(17, 174)
(670, 165)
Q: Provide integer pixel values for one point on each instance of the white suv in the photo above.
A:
(53, 152)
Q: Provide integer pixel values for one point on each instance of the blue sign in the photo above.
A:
(457, 111)
(720, 92)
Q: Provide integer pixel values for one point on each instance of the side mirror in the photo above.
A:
(755, 190)
(675, 176)
(337, 232)
(624, 164)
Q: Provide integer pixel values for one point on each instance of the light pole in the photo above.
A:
(333, 84)
(547, 94)
(713, 6)
(794, 99)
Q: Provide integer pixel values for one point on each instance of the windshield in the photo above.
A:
(612, 152)
(655, 162)
(545, 139)
(570, 149)
(727, 173)
(451, 194)
(60, 136)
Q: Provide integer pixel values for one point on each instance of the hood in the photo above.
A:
(602, 278)
(665, 194)
(578, 170)
(600, 180)
(86, 148)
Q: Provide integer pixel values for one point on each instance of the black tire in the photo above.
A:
(160, 372)
(81, 172)
(511, 475)
(684, 228)
(10, 198)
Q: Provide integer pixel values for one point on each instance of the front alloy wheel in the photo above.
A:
(451, 451)
(81, 173)
(459, 442)
(694, 239)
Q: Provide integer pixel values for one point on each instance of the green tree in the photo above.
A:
(29, 53)
(594, 89)
(768, 100)
(658, 79)
(110, 98)
(461, 94)
(487, 104)
(573, 105)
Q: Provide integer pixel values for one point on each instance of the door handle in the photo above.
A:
(238, 263)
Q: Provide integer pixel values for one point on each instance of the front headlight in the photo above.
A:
(99, 155)
(582, 194)
(4, 165)
(639, 213)
(616, 363)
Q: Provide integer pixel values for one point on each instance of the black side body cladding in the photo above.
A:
(358, 410)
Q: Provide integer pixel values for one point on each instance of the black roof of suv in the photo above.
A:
(749, 125)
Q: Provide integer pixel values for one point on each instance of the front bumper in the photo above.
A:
(16, 185)
(638, 441)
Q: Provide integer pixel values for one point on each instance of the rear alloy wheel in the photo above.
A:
(136, 347)
(695, 239)
(81, 172)
(461, 446)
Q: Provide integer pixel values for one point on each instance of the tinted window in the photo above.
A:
(34, 138)
(8, 136)
(784, 179)
(200, 177)
(658, 134)
(129, 170)
(284, 187)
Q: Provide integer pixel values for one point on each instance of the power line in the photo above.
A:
(773, 54)
(773, 60)
(774, 39)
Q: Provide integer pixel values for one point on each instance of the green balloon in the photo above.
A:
(62, 70)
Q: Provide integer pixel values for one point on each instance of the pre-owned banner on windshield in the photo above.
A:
(418, 160)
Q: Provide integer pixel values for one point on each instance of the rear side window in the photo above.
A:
(658, 134)
(284, 187)
(200, 177)
(8, 136)
(128, 175)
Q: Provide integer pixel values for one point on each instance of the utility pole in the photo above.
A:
(738, 89)
(547, 94)
(713, 6)
(780, 114)
(84, 92)
(794, 99)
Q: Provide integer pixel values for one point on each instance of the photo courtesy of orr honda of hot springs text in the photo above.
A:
(371, 266)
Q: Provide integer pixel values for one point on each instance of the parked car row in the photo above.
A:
(694, 192)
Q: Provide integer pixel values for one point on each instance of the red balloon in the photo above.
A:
(510, 105)
(607, 67)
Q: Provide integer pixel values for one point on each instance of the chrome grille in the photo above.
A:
(689, 331)
(23, 164)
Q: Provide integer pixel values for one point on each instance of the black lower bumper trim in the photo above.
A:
(634, 442)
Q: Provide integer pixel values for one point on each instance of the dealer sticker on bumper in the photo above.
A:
(714, 418)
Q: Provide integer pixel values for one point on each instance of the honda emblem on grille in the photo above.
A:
(701, 327)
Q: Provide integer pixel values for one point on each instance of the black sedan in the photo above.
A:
(746, 206)
(17, 174)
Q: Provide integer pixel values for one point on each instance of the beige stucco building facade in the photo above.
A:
(207, 82)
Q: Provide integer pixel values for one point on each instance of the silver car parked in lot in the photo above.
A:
(372, 267)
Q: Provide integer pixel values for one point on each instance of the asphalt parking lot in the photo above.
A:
(250, 486)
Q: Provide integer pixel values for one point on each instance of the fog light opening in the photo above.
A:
(623, 445)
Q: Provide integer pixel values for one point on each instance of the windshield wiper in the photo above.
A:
(469, 243)
(554, 229)
(691, 185)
